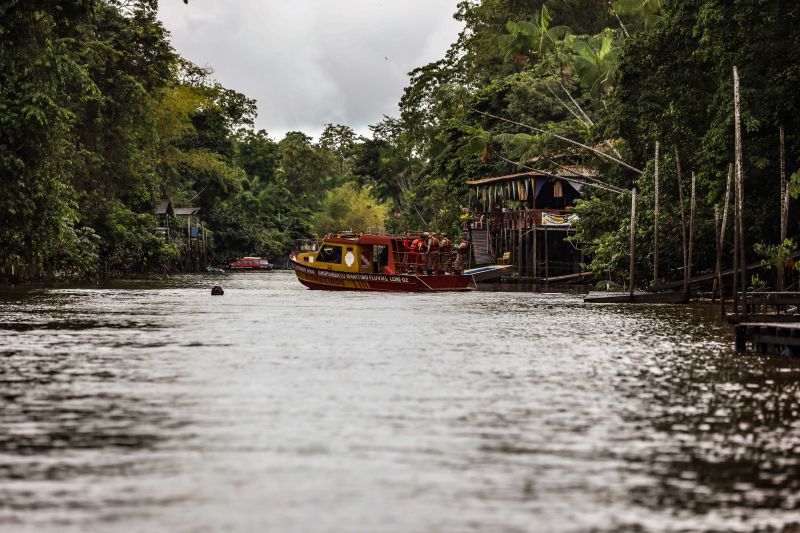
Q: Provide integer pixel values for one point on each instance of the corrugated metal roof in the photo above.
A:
(163, 207)
(186, 211)
(569, 171)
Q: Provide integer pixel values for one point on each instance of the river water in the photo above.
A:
(153, 406)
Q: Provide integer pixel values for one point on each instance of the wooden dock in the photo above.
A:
(776, 338)
(489, 272)
(637, 298)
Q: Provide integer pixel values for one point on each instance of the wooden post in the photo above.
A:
(546, 258)
(683, 226)
(692, 209)
(784, 205)
(205, 249)
(718, 227)
(535, 252)
(723, 230)
(189, 241)
(740, 185)
(527, 248)
(655, 222)
(633, 242)
(735, 251)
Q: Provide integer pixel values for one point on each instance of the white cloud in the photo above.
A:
(309, 62)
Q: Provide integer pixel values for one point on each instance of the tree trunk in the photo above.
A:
(740, 185)
(655, 221)
(683, 226)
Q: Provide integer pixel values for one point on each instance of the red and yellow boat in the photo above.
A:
(368, 262)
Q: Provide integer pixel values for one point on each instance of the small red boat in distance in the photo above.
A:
(371, 262)
(250, 264)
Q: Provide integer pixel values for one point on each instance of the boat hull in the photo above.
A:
(331, 280)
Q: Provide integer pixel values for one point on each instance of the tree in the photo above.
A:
(349, 207)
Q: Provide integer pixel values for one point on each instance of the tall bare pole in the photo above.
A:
(683, 226)
(655, 221)
(633, 242)
(784, 206)
(735, 251)
(692, 209)
(723, 230)
(740, 184)
(718, 227)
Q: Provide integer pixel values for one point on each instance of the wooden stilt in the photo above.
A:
(546, 256)
(655, 221)
(683, 226)
(784, 206)
(692, 209)
(535, 253)
(718, 228)
(740, 184)
(722, 231)
(632, 281)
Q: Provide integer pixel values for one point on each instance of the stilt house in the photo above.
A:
(524, 219)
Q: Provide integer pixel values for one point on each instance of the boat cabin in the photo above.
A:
(370, 254)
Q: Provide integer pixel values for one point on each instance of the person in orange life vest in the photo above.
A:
(461, 256)
(445, 246)
(432, 251)
(405, 251)
(413, 254)
(422, 252)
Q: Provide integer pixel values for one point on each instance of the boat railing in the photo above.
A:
(407, 262)
(308, 245)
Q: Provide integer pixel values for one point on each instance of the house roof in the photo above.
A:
(568, 171)
(163, 207)
(186, 211)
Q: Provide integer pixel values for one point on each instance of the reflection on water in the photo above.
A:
(155, 406)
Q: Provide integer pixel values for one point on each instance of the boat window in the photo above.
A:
(330, 254)
(380, 254)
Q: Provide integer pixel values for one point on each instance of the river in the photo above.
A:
(154, 406)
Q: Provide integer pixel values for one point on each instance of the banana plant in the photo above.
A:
(596, 60)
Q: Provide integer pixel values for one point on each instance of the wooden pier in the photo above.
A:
(776, 338)
(637, 298)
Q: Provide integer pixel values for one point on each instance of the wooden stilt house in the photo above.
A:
(192, 229)
(524, 219)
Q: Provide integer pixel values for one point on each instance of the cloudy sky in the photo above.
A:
(310, 62)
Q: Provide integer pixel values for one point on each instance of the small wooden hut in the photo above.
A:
(189, 217)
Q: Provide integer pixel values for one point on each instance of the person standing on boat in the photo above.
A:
(432, 252)
(405, 253)
(415, 254)
(422, 252)
(445, 246)
(461, 256)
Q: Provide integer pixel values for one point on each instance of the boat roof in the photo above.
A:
(363, 238)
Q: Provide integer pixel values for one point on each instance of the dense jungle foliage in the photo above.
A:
(100, 119)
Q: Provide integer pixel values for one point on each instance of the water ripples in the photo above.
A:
(153, 406)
